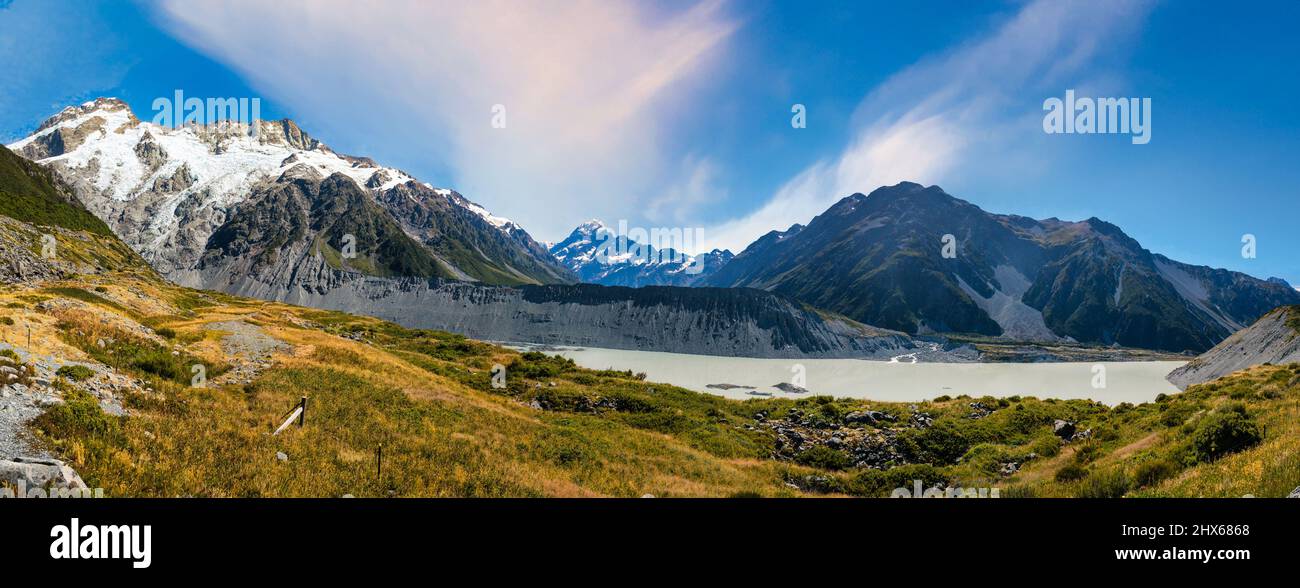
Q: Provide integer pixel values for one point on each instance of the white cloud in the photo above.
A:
(584, 82)
(698, 184)
(949, 113)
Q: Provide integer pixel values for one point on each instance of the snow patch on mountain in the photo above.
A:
(597, 255)
(165, 190)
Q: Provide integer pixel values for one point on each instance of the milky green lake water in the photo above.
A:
(1135, 382)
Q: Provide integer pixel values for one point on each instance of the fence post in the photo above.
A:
(302, 416)
(379, 461)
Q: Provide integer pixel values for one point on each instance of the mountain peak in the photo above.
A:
(104, 105)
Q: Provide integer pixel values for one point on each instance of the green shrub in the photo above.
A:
(1046, 446)
(76, 373)
(80, 417)
(534, 365)
(1222, 433)
(1018, 491)
(1112, 484)
(824, 457)
(1087, 453)
(1071, 472)
(876, 483)
(1173, 415)
(940, 444)
(987, 457)
(1154, 472)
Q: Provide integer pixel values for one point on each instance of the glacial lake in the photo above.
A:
(1136, 382)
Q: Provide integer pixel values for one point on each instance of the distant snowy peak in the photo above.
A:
(599, 255)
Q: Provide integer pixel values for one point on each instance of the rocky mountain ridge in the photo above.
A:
(1273, 339)
(917, 260)
(598, 254)
(168, 191)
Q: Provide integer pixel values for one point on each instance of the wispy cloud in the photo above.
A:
(697, 184)
(950, 112)
(585, 84)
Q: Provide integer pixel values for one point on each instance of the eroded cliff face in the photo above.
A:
(1273, 339)
(710, 321)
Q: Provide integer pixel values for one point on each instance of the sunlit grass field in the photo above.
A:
(414, 413)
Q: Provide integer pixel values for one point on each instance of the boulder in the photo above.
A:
(1063, 429)
(39, 473)
(860, 417)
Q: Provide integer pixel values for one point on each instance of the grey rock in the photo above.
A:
(40, 473)
(1269, 340)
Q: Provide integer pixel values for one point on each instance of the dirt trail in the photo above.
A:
(248, 348)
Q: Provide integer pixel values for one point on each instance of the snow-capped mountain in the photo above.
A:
(598, 255)
(171, 193)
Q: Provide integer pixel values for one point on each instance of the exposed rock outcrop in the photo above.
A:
(709, 321)
(29, 473)
(1273, 339)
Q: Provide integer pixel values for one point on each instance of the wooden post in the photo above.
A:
(379, 461)
(302, 416)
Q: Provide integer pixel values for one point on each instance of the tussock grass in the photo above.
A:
(556, 429)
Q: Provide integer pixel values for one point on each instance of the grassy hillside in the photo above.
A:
(29, 193)
(423, 395)
(558, 430)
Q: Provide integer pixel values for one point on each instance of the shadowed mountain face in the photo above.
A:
(880, 259)
(303, 214)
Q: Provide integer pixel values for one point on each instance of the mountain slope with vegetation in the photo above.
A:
(880, 259)
(31, 194)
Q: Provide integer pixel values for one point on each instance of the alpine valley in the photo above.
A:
(133, 257)
(278, 215)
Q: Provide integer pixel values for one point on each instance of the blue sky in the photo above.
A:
(678, 113)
